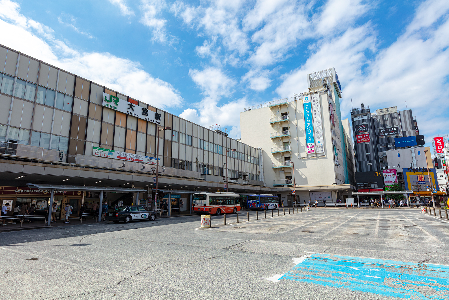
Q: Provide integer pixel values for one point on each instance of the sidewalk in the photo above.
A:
(40, 224)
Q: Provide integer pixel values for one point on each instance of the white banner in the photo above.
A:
(317, 124)
(107, 153)
(129, 108)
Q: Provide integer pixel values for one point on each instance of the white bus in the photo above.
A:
(216, 203)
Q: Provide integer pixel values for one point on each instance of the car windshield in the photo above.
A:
(141, 208)
(121, 208)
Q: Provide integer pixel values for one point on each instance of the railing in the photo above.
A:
(285, 164)
(283, 118)
(280, 150)
(280, 134)
(283, 182)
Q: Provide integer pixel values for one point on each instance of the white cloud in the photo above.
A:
(428, 13)
(123, 75)
(124, 9)
(186, 12)
(70, 21)
(339, 14)
(151, 9)
(213, 82)
(258, 80)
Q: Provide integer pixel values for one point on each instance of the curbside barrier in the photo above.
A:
(247, 214)
(205, 221)
(224, 219)
(238, 217)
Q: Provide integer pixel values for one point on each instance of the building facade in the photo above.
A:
(305, 147)
(59, 128)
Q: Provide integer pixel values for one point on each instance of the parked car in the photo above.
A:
(130, 213)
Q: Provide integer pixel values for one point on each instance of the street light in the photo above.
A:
(227, 150)
(157, 163)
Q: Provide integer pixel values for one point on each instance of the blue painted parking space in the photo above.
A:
(383, 277)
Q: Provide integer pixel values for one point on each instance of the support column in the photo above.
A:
(100, 209)
(137, 199)
(381, 201)
(190, 202)
(50, 208)
(169, 204)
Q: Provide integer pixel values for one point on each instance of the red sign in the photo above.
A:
(439, 144)
(363, 138)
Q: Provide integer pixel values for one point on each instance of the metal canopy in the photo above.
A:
(382, 193)
(84, 188)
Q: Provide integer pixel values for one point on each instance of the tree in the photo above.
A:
(395, 188)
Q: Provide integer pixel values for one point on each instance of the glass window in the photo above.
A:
(3, 132)
(182, 138)
(29, 92)
(63, 143)
(20, 135)
(59, 101)
(19, 89)
(189, 140)
(141, 208)
(175, 136)
(133, 208)
(35, 138)
(40, 95)
(68, 100)
(7, 84)
(50, 98)
(54, 142)
(206, 145)
(45, 140)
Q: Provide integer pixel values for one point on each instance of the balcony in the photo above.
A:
(285, 164)
(281, 150)
(281, 134)
(275, 120)
(282, 182)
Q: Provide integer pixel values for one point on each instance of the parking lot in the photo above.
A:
(271, 258)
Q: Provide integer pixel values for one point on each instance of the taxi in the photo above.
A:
(130, 213)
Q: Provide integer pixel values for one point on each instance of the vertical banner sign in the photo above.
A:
(390, 177)
(310, 142)
(439, 144)
(317, 124)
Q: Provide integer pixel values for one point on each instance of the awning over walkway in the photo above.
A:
(382, 193)
(84, 188)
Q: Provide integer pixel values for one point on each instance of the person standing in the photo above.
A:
(68, 212)
(104, 210)
(53, 212)
(324, 202)
(4, 213)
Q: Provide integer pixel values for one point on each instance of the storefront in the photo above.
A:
(36, 201)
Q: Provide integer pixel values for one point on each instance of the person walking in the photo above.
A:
(53, 212)
(104, 211)
(68, 211)
(324, 202)
(4, 213)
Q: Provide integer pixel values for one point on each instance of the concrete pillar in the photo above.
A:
(137, 199)
(169, 204)
(100, 209)
(50, 208)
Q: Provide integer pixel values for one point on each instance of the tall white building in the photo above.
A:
(305, 146)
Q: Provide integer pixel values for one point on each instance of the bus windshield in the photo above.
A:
(269, 199)
(199, 197)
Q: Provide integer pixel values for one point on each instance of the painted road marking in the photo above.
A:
(382, 277)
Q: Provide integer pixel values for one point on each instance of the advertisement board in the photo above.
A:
(420, 140)
(320, 196)
(390, 177)
(388, 131)
(310, 142)
(420, 180)
(363, 128)
(408, 141)
(317, 124)
(129, 108)
(363, 138)
(439, 144)
(107, 153)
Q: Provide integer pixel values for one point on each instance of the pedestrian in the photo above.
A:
(4, 212)
(32, 209)
(68, 211)
(324, 202)
(95, 208)
(104, 209)
(53, 212)
(82, 210)
(316, 203)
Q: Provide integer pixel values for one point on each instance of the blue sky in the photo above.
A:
(208, 60)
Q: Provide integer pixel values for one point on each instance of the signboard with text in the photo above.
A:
(310, 141)
(107, 153)
(317, 123)
(408, 141)
(390, 176)
(363, 138)
(439, 144)
(132, 109)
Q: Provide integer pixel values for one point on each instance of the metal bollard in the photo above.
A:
(440, 212)
(284, 211)
(293, 210)
(224, 219)
(265, 214)
(237, 217)
(278, 212)
(434, 212)
(301, 208)
(446, 215)
(289, 210)
(272, 212)
(247, 214)
(257, 215)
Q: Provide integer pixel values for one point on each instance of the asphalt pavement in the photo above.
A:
(304, 255)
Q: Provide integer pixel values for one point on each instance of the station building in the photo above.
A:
(59, 129)
(306, 145)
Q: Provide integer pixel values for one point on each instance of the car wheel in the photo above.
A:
(218, 212)
(152, 217)
(115, 222)
(234, 211)
(128, 219)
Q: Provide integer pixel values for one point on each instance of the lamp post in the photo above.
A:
(430, 184)
(157, 163)
(227, 150)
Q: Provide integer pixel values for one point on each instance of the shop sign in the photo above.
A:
(363, 128)
(310, 142)
(439, 144)
(131, 109)
(317, 124)
(389, 131)
(390, 177)
(107, 153)
(408, 141)
(363, 138)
